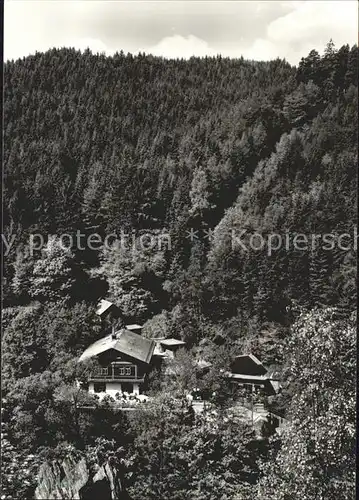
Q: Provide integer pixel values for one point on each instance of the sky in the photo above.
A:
(259, 30)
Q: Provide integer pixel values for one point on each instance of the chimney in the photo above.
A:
(113, 334)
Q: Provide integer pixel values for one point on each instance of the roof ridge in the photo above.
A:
(126, 341)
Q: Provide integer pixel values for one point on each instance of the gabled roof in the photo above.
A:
(103, 306)
(248, 364)
(171, 342)
(98, 347)
(126, 342)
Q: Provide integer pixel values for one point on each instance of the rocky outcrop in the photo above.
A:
(62, 479)
(74, 479)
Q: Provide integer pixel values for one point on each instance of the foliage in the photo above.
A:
(258, 146)
(179, 456)
(134, 271)
(18, 468)
(316, 457)
(147, 145)
(40, 337)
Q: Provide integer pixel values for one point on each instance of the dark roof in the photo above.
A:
(124, 341)
(248, 364)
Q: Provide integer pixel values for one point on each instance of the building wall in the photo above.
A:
(91, 388)
(106, 358)
(112, 388)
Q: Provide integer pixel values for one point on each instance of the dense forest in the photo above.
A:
(192, 149)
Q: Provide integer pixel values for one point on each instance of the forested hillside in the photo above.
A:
(201, 147)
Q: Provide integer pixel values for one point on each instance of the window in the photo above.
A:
(99, 387)
(127, 387)
(248, 389)
(101, 372)
(125, 370)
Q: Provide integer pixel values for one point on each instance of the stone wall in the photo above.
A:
(73, 479)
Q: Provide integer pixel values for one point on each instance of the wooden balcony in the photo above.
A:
(121, 372)
(101, 378)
